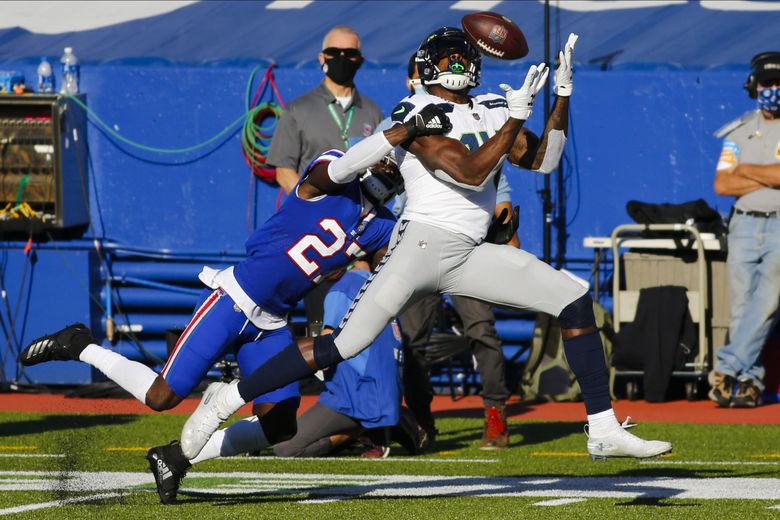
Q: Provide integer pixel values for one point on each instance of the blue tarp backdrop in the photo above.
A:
(640, 130)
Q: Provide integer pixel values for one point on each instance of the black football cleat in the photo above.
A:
(168, 465)
(63, 345)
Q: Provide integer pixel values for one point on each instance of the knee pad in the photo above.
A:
(578, 314)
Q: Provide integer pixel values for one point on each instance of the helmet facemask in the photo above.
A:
(381, 182)
(460, 74)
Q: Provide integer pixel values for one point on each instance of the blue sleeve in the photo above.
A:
(378, 231)
(503, 191)
(336, 306)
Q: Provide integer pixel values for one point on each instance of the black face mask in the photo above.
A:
(341, 69)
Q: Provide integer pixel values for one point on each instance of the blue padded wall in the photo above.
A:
(635, 134)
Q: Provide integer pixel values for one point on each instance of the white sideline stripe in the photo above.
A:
(359, 459)
(709, 463)
(559, 502)
(288, 4)
(32, 454)
(774, 507)
(56, 503)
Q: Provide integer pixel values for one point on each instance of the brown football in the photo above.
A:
(495, 35)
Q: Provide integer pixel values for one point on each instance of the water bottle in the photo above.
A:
(45, 77)
(70, 72)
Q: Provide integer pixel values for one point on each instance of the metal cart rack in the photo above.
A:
(670, 238)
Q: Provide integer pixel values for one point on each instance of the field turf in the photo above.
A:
(90, 466)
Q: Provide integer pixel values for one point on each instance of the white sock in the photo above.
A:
(231, 399)
(241, 437)
(602, 423)
(133, 376)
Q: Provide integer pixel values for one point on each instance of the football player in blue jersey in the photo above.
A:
(332, 218)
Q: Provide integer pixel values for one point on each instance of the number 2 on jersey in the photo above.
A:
(296, 252)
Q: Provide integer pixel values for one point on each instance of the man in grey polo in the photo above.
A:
(333, 115)
(749, 168)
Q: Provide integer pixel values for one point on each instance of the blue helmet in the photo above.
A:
(447, 41)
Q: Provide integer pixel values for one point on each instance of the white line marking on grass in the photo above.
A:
(360, 459)
(56, 503)
(321, 500)
(708, 463)
(774, 507)
(310, 485)
(55, 455)
(559, 502)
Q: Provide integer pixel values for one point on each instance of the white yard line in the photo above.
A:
(362, 459)
(324, 486)
(56, 503)
(709, 463)
(559, 502)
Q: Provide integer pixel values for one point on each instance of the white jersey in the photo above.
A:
(439, 200)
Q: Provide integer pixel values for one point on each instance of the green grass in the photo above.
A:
(546, 455)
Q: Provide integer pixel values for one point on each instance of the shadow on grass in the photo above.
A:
(626, 490)
(50, 423)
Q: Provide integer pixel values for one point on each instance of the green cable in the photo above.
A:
(134, 144)
(20, 191)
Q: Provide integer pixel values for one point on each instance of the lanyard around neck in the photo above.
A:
(343, 125)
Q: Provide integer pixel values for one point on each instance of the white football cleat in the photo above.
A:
(206, 419)
(620, 443)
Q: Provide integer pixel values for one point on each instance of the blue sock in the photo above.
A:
(585, 354)
(287, 366)
(282, 369)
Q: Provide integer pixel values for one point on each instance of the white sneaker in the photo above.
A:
(620, 443)
(205, 420)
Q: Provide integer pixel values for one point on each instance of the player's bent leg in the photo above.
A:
(585, 354)
(512, 277)
(161, 396)
(75, 342)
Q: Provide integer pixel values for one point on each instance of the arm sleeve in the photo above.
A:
(286, 143)
(367, 152)
(556, 141)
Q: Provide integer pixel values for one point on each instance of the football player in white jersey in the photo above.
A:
(439, 246)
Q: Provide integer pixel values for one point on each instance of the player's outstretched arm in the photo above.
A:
(431, 120)
(550, 149)
(452, 161)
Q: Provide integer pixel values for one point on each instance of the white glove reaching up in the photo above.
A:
(520, 102)
(563, 74)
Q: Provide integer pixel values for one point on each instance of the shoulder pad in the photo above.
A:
(734, 124)
(401, 111)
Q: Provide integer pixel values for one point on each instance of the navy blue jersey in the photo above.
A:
(307, 239)
(368, 386)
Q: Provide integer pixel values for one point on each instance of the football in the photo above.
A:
(495, 35)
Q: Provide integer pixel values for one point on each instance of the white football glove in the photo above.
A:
(521, 101)
(563, 74)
